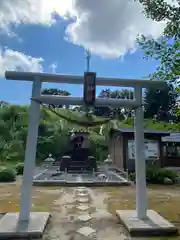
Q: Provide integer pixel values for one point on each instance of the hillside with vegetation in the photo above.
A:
(57, 122)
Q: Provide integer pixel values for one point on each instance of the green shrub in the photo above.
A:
(7, 175)
(19, 168)
(156, 175)
(165, 173)
(132, 176)
(153, 175)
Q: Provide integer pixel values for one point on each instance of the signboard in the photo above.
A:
(89, 88)
(151, 149)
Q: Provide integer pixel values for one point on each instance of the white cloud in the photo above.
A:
(30, 12)
(107, 27)
(110, 28)
(13, 60)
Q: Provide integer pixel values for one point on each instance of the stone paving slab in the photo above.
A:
(154, 225)
(11, 227)
(83, 207)
(84, 217)
(82, 190)
(82, 194)
(83, 200)
(86, 231)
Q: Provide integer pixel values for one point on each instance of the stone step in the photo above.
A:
(78, 164)
(56, 164)
(79, 171)
(77, 168)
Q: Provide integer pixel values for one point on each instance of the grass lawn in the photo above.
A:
(163, 199)
(42, 199)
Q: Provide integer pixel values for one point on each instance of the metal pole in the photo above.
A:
(88, 57)
(30, 154)
(140, 165)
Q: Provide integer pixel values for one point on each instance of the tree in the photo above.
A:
(162, 10)
(167, 48)
(11, 146)
(55, 91)
(160, 103)
(167, 53)
(124, 94)
(104, 111)
(13, 114)
(114, 112)
(3, 104)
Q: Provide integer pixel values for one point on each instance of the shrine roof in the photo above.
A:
(146, 131)
(174, 137)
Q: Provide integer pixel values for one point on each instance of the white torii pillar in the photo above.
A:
(30, 153)
(140, 165)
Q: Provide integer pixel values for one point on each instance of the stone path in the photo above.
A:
(83, 215)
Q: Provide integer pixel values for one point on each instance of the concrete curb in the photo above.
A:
(73, 184)
(39, 174)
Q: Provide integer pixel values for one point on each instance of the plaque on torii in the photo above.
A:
(89, 88)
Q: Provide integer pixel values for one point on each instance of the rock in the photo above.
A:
(168, 181)
(102, 176)
(178, 179)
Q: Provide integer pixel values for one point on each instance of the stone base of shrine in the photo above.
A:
(12, 228)
(153, 225)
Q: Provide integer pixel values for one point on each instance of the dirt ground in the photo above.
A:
(99, 206)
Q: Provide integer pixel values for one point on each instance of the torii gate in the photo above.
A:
(34, 115)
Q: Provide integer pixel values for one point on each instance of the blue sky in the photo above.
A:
(48, 43)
